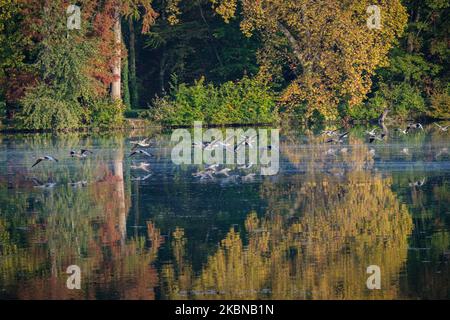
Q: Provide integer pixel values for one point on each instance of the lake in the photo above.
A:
(158, 232)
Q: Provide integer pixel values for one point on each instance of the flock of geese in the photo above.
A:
(241, 172)
(84, 153)
(373, 136)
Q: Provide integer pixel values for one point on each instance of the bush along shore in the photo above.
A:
(222, 62)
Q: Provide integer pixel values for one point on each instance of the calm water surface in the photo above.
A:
(309, 232)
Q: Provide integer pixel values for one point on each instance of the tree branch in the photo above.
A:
(294, 43)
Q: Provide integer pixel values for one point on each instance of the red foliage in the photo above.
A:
(101, 16)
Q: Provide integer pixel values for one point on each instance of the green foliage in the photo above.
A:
(414, 83)
(411, 68)
(107, 114)
(199, 44)
(246, 101)
(67, 95)
(404, 101)
(125, 84)
(440, 105)
(10, 37)
(2, 110)
(43, 108)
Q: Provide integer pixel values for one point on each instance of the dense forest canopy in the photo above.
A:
(246, 61)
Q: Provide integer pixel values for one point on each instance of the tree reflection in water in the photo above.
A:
(310, 233)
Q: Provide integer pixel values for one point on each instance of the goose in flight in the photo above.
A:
(246, 142)
(142, 143)
(217, 143)
(330, 133)
(375, 137)
(201, 144)
(248, 177)
(211, 145)
(441, 152)
(212, 167)
(140, 178)
(418, 183)
(269, 147)
(404, 131)
(82, 183)
(331, 152)
(414, 126)
(44, 158)
(142, 166)
(246, 167)
(224, 172)
(204, 174)
(444, 129)
(140, 151)
(82, 154)
(40, 184)
(339, 139)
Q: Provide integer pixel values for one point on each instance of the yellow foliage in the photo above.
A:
(331, 49)
(226, 8)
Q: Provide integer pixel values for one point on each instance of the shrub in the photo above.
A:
(247, 101)
(43, 109)
(402, 99)
(107, 114)
(440, 105)
(2, 110)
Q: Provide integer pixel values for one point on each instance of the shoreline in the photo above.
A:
(139, 124)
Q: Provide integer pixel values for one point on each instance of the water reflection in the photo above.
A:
(308, 233)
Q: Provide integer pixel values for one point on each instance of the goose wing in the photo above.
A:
(37, 161)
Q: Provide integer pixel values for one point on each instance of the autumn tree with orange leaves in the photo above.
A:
(74, 75)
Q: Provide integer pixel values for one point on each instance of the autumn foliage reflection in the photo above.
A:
(317, 245)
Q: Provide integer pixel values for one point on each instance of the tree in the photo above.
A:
(329, 49)
(137, 9)
(420, 63)
(134, 94)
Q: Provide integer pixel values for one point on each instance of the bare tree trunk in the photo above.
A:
(116, 69)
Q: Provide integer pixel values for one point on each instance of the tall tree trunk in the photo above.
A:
(125, 84)
(162, 71)
(297, 50)
(411, 36)
(116, 69)
(132, 67)
(211, 36)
